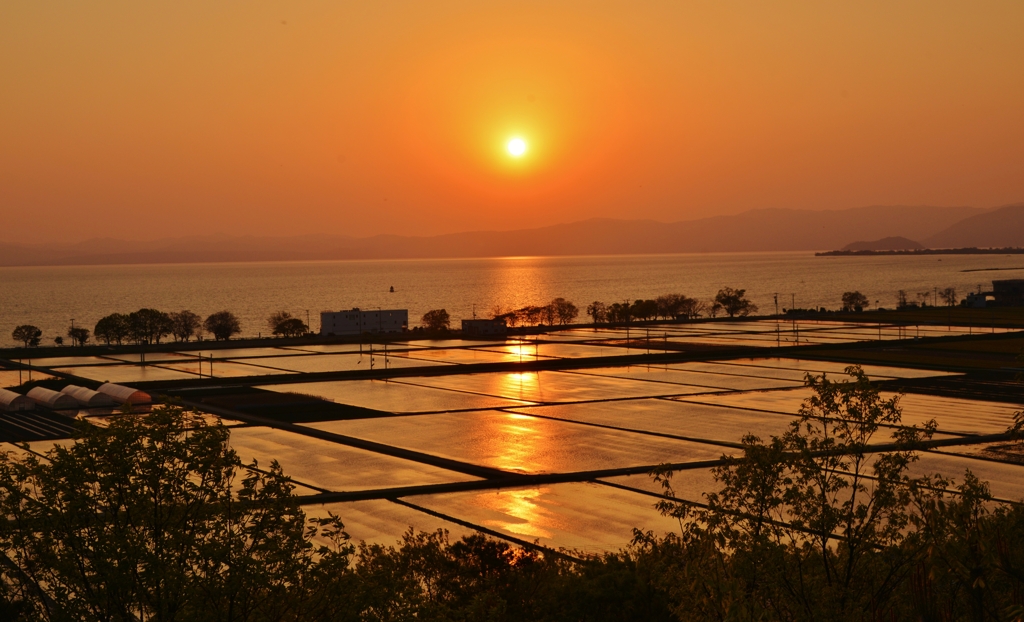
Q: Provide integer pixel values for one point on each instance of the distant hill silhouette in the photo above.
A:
(757, 230)
(1001, 227)
(885, 244)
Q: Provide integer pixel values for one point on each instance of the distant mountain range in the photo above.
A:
(756, 230)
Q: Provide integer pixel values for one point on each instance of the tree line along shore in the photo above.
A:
(151, 326)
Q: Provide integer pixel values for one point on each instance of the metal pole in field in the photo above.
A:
(778, 336)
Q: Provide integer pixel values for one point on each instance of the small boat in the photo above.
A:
(392, 289)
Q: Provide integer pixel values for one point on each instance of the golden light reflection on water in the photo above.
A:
(519, 443)
(524, 386)
(521, 511)
(524, 352)
(513, 282)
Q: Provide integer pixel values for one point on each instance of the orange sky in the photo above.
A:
(156, 119)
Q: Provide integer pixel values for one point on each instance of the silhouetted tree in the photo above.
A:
(598, 311)
(619, 312)
(436, 320)
(284, 324)
(854, 301)
(901, 300)
(222, 325)
(27, 334)
(185, 325)
(149, 325)
(79, 336)
(563, 311)
(691, 308)
(58, 340)
(531, 314)
(509, 317)
(115, 327)
(734, 302)
(155, 518)
(800, 520)
(644, 309)
(549, 315)
(668, 305)
(948, 296)
(292, 327)
(277, 318)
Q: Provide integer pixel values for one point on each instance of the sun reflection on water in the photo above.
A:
(524, 385)
(519, 443)
(522, 514)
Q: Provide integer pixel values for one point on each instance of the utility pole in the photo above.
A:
(308, 329)
(778, 335)
(792, 307)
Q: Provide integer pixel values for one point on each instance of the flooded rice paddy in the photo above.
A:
(440, 442)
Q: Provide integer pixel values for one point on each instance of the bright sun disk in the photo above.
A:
(516, 147)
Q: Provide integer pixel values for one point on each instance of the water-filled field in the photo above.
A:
(558, 457)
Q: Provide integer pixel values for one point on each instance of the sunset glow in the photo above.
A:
(516, 147)
(170, 119)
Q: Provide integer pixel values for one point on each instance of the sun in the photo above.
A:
(516, 147)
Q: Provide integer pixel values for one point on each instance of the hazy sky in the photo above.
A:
(155, 118)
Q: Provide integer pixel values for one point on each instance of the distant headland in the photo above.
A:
(1013, 250)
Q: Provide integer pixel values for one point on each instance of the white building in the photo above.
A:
(357, 321)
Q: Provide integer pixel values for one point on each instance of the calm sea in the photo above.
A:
(49, 297)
